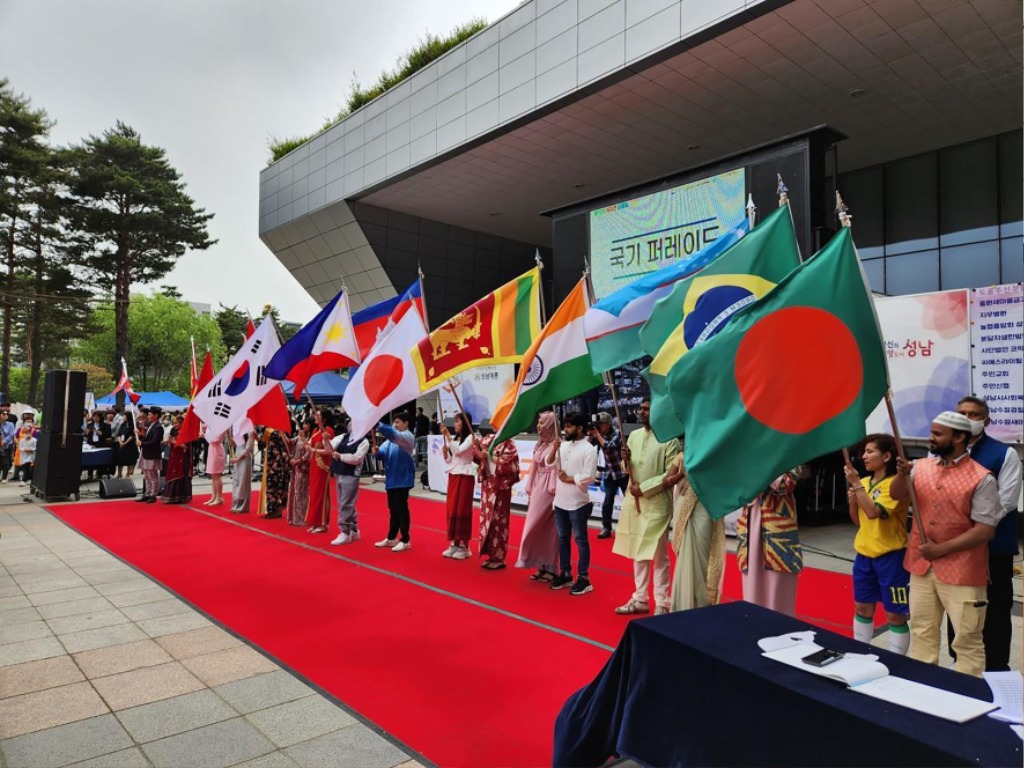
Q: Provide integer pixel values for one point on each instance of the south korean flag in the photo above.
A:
(240, 384)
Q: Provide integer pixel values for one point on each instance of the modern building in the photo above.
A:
(522, 136)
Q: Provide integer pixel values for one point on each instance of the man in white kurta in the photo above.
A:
(642, 533)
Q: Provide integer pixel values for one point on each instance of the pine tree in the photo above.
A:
(131, 217)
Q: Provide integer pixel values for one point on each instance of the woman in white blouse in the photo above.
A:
(458, 454)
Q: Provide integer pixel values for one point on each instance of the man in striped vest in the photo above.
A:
(959, 509)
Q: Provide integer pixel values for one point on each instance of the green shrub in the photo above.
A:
(429, 49)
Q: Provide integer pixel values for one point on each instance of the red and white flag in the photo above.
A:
(387, 378)
(126, 384)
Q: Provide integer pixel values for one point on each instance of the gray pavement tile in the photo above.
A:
(65, 625)
(353, 747)
(60, 746)
(114, 659)
(150, 594)
(62, 595)
(19, 616)
(12, 603)
(168, 607)
(300, 720)
(10, 589)
(273, 760)
(126, 758)
(109, 576)
(39, 710)
(213, 746)
(29, 630)
(122, 586)
(102, 637)
(170, 625)
(74, 607)
(51, 584)
(263, 691)
(171, 716)
(30, 650)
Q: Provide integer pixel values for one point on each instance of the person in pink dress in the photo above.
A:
(539, 547)
(768, 547)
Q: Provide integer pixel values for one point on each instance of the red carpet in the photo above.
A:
(466, 666)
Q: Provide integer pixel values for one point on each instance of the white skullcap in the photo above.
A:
(953, 420)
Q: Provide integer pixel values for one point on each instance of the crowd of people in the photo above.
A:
(953, 558)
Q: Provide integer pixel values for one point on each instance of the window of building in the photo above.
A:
(969, 266)
(912, 273)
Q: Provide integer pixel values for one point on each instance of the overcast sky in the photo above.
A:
(210, 81)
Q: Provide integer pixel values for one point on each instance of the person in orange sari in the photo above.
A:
(318, 513)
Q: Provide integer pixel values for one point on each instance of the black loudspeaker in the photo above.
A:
(63, 387)
(58, 468)
(117, 488)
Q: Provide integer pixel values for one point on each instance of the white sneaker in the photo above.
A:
(462, 553)
(386, 543)
(354, 536)
(450, 552)
(343, 538)
(401, 546)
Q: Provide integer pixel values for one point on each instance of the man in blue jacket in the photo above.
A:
(1002, 461)
(399, 477)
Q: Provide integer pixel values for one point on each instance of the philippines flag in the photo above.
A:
(325, 343)
(370, 323)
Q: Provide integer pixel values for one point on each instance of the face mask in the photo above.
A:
(977, 427)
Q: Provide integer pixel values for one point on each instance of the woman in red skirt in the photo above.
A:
(458, 454)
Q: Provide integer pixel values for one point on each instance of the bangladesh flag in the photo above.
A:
(792, 377)
(700, 306)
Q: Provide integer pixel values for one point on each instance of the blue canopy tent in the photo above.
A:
(323, 389)
(167, 400)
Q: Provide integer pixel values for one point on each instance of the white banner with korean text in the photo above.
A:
(997, 357)
(927, 346)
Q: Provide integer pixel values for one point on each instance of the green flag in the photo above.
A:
(700, 306)
(792, 377)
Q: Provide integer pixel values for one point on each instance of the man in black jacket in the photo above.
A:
(151, 447)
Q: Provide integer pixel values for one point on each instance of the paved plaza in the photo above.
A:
(102, 667)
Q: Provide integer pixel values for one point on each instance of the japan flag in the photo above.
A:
(240, 384)
(387, 378)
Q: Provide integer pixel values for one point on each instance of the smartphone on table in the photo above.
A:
(822, 658)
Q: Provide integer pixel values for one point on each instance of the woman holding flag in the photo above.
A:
(539, 547)
(458, 454)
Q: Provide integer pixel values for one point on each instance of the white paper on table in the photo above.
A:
(852, 669)
(785, 641)
(925, 698)
(1008, 695)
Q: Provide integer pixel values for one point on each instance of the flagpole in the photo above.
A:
(452, 386)
(751, 211)
(426, 321)
(846, 222)
(195, 365)
(609, 380)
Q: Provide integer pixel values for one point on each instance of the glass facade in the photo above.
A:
(952, 218)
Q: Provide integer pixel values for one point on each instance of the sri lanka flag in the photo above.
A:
(325, 343)
(371, 324)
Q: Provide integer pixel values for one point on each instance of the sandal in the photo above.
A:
(318, 529)
(538, 576)
(546, 578)
(493, 566)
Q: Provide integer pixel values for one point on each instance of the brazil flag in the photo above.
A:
(792, 377)
(700, 306)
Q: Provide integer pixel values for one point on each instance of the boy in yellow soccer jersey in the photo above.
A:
(878, 572)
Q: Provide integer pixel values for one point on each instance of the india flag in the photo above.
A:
(556, 367)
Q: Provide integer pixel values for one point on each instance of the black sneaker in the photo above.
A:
(605, 534)
(560, 581)
(582, 586)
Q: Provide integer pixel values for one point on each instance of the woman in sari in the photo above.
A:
(277, 472)
(178, 486)
(497, 474)
(768, 549)
(539, 547)
(318, 512)
(298, 488)
(241, 477)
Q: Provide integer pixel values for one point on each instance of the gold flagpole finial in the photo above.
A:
(845, 219)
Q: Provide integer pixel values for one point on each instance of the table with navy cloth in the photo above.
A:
(97, 459)
(692, 689)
